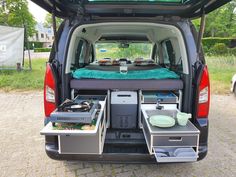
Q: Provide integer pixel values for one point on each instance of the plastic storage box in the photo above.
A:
(124, 109)
(161, 97)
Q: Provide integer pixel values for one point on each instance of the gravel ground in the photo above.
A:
(22, 148)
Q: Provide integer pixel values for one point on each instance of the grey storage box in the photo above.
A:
(124, 109)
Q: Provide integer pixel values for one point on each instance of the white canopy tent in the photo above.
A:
(11, 46)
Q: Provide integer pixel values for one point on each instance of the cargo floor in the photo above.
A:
(125, 141)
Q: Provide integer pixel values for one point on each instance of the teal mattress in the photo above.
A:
(160, 73)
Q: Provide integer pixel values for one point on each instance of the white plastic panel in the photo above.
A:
(179, 154)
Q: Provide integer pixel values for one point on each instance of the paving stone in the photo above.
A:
(70, 173)
(96, 174)
(84, 171)
(126, 174)
(22, 151)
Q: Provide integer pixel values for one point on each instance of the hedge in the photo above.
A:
(211, 41)
(220, 49)
(218, 46)
(36, 45)
(42, 49)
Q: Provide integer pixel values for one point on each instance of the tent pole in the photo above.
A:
(54, 24)
(27, 42)
(201, 31)
(23, 62)
(30, 64)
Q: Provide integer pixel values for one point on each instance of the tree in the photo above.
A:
(48, 21)
(16, 13)
(221, 22)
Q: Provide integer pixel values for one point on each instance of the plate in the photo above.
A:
(162, 121)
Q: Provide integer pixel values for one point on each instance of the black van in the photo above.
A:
(120, 77)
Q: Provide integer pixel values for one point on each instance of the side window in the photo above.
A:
(168, 53)
(80, 54)
(91, 54)
(166, 59)
(172, 55)
(155, 53)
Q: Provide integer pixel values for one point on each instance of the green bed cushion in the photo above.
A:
(160, 73)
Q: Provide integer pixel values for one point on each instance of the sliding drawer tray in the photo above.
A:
(80, 141)
(177, 154)
(75, 117)
(183, 136)
(78, 117)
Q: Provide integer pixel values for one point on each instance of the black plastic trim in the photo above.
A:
(52, 152)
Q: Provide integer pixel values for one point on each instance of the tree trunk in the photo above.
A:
(212, 32)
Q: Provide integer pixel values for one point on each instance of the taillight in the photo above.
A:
(204, 95)
(49, 91)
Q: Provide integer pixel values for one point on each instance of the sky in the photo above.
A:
(38, 13)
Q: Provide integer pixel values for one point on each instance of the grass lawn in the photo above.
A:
(221, 70)
(24, 80)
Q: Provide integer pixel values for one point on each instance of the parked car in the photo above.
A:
(233, 87)
(125, 109)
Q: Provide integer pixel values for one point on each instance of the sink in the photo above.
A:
(171, 113)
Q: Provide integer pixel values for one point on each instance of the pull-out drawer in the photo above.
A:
(175, 140)
(81, 141)
(177, 154)
(177, 136)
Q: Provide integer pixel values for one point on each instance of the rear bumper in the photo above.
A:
(52, 152)
(105, 157)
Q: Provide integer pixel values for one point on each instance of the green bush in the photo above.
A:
(205, 49)
(219, 49)
(232, 51)
(218, 46)
(36, 45)
(211, 41)
(42, 49)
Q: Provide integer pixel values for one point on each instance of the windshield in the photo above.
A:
(130, 51)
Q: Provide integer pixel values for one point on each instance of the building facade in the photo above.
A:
(44, 35)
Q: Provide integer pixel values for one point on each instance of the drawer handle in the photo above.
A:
(175, 138)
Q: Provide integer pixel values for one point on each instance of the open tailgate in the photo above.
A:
(181, 8)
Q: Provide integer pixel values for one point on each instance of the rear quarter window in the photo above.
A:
(80, 54)
(171, 55)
